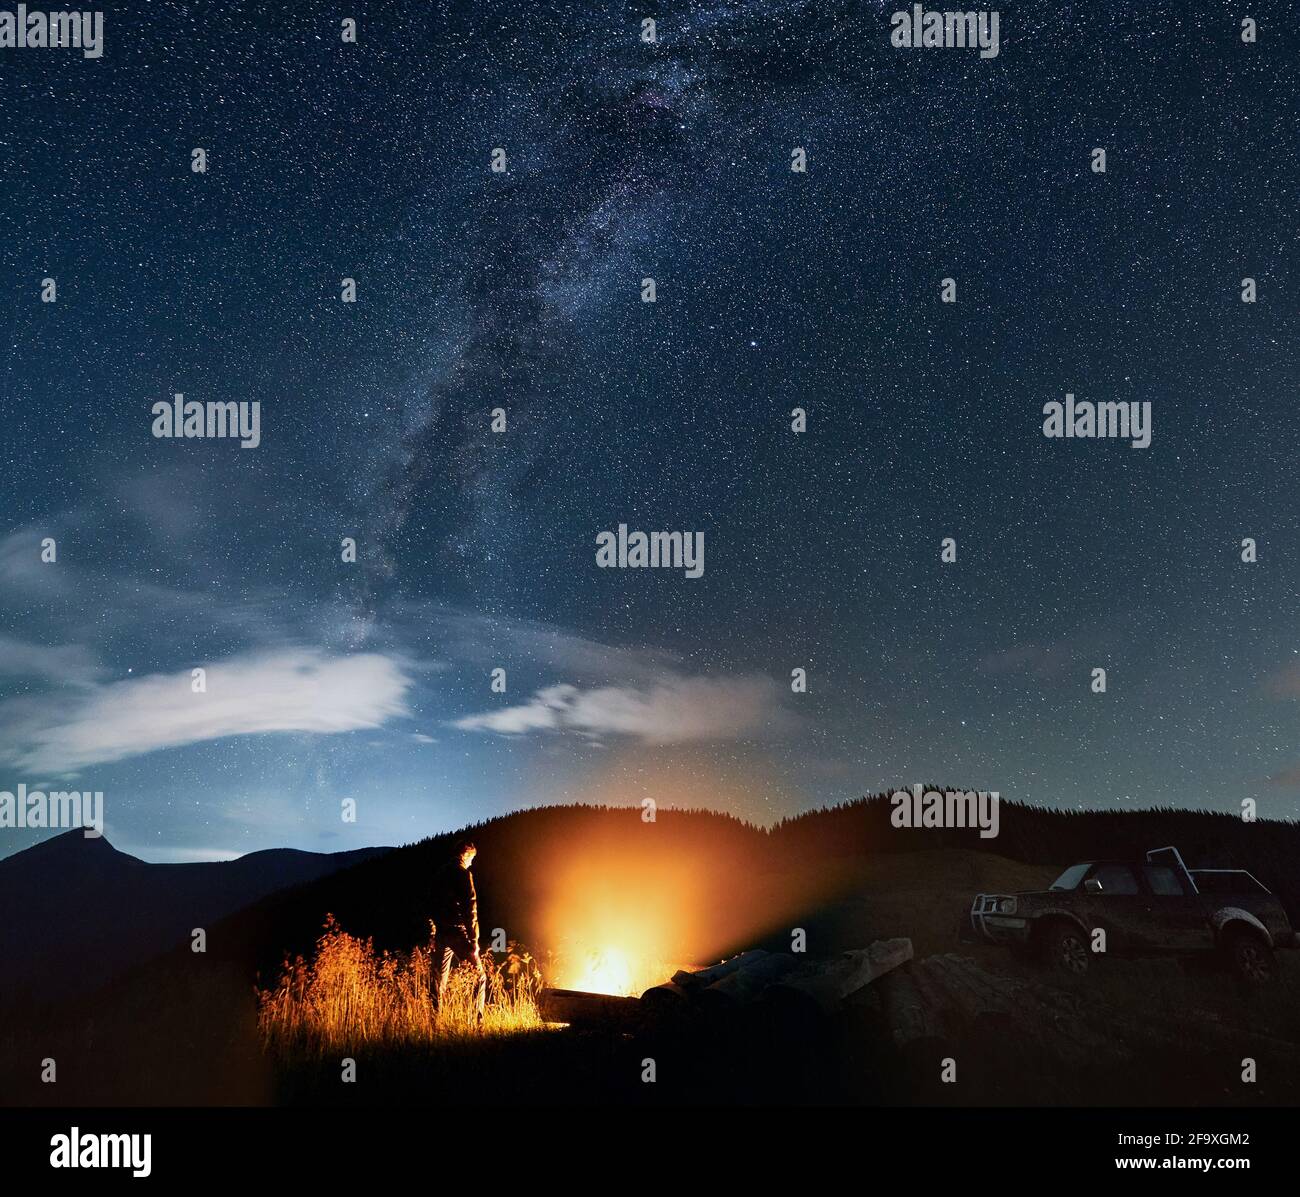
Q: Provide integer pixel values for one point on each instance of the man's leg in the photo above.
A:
(440, 962)
(480, 991)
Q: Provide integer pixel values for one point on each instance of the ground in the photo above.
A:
(1131, 1032)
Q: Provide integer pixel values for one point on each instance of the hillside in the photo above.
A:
(79, 912)
(693, 886)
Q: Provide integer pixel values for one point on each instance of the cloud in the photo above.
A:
(671, 711)
(1285, 683)
(1288, 778)
(71, 663)
(21, 568)
(479, 639)
(296, 690)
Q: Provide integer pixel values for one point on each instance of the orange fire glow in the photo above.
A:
(608, 970)
(624, 902)
(622, 913)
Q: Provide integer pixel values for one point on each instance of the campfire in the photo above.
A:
(618, 916)
(618, 971)
(622, 906)
(608, 970)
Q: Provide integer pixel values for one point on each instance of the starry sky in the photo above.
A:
(330, 680)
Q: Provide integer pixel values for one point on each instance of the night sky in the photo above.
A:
(523, 290)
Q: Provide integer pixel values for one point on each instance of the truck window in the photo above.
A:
(1071, 878)
(1163, 880)
(1115, 879)
(1226, 881)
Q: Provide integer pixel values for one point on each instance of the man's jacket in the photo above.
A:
(455, 904)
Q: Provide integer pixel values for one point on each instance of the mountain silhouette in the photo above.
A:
(726, 884)
(171, 1026)
(79, 912)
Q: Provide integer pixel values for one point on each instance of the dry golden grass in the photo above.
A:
(348, 996)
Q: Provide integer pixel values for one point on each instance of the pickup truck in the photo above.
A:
(1150, 907)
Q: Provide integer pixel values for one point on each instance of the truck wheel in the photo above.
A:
(1064, 949)
(1250, 957)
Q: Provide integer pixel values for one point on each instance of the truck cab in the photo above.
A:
(1154, 906)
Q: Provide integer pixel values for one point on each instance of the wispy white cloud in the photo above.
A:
(73, 664)
(673, 710)
(21, 569)
(293, 690)
(481, 639)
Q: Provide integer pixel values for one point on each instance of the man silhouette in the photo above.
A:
(455, 918)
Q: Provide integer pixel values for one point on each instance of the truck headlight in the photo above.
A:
(1006, 906)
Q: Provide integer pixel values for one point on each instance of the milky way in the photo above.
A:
(776, 289)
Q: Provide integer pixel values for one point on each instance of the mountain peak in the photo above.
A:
(69, 849)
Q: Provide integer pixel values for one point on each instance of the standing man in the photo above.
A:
(455, 917)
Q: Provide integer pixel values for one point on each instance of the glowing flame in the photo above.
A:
(608, 970)
(621, 905)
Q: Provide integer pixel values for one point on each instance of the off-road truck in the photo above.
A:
(1151, 907)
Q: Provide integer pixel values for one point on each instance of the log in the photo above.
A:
(579, 1008)
(745, 984)
(826, 985)
(913, 1028)
(668, 1000)
(715, 972)
(907, 1016)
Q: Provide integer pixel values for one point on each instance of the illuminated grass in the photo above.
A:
(348, 996)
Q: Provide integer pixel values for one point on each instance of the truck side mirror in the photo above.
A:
(1092, 886)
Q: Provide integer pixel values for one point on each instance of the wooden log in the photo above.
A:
(666, 1000)
(907, 1016)
(702, 977)
(579, 1008)
(745, 984)
(827, 984)
(967, 990)
(913, 1027)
